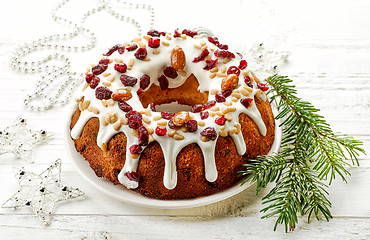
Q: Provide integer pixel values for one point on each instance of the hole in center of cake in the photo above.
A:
(172, 107)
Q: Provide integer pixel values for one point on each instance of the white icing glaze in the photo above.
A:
(169, 145)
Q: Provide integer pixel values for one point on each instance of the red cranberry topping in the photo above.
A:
(170, 72)
(202, 56)
(132, 47)
(103, 93)
(172, 125)
(224, 54)
(197, 108)
(192, 126)
(152, 107)
(134, 123)
(153, 33)
(128, 81)
(139, 91)
(161, 130)
(154, 42)
(223, 46)
(189, 32)
(210, 133)
(99, 69)
(209, 104)
(246, 102)
(143, 136)
(120, 67)
(243, 64)
(119, 47)
(144, 81)
(89, 77)
(220, 98)
(240, 55)
(248, 81)
(220, 120)
(226, 93)
(133, 176)
(104, 61)
(135, 149)
(124, 106)
(262, 86)
(176, 34)
(210, 64)
(94, 82)
(213, 40)
(204, 115)
(167, 115)
(233, 70)
(163, 82)
(133, 114)
(141, 53)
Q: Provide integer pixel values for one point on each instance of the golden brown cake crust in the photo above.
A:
(190, 166)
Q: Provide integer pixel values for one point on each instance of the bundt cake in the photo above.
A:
(172, 155)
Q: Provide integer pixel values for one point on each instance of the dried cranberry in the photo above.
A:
(170, 72)
(128, 81)
(134, 123)
(210, 133)
(202, 56)
(243, 64)
(94, 82)
(119, 47)
(197, 108)
(172, 125)
(220, 120)
(233, 70)
(133, 176)
(262, 86)
(152, 107)
(163, 82)
(104, 61)
(135, 149)
(89, 77)
(213, 40)
(240, 55)
(189, 32)
(224, 54)
(120, 67)
(103, 93)
(132, 47)
(226, 93)
(248, 81)
(209, 104)
(192, 126)
(133, 114)
(153, 33)
(154, 42)
(141, 53)
(124, 106)
(220, 98)
(204, 115)
(210, 64)
(143, 136)
(246, 102)
(161, 130)
(139, 91)
(99, 69)
(167, 115)
(223, 46)
(144, 81)
(176, 34)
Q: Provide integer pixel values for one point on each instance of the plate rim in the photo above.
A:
(123, 194)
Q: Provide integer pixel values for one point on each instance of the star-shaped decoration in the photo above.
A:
(41, 192)
(20, 140)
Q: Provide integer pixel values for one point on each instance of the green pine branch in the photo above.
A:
(310, 152)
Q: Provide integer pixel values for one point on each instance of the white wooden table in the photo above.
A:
(329, 43)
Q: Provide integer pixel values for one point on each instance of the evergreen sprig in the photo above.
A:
(310, 152)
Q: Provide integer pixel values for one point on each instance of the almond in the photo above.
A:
(229, 82)
(121, 94)
(178, 58)
(181, 118)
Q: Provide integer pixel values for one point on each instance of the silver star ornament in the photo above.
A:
(41, 192)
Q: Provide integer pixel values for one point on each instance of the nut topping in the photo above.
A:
(181, 118)
(121, 94)
(178, 58)
(229, 82)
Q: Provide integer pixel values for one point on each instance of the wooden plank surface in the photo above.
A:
(329, 45)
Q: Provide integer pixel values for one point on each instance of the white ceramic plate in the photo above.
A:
(121, 193)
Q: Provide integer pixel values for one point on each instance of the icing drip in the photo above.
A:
(112, 118)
